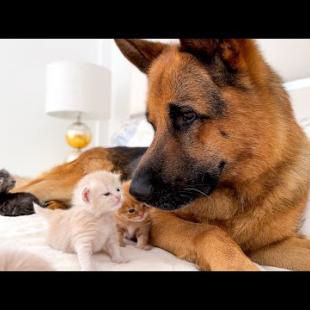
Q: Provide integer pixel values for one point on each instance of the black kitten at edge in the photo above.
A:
(14, 204)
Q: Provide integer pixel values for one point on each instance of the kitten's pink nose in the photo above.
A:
(117, 199)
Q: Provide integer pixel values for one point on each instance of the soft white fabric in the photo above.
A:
(134, 132)
(28, 233)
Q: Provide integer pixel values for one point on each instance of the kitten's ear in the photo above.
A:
(85, 194)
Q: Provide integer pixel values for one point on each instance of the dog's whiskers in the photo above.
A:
(196, 190)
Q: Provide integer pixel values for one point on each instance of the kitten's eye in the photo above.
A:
(107, 194)
(131, 210)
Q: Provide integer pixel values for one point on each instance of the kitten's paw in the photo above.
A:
(144, 247)
(120, 260)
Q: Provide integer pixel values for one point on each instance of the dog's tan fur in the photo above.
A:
(256, 210)
(56, 186)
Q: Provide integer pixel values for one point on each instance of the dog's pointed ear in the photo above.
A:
(232, 52)
(140, 52)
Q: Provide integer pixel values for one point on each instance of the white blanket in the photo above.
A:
(28, 233)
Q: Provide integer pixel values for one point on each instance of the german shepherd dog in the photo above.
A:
(228, 171)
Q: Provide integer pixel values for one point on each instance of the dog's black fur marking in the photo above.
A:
(224, 134)
(125, 159)
(221, 74)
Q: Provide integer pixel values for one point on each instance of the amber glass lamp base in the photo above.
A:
(78, 136)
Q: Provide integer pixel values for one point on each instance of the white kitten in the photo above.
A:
(17, 260)
(89, 226)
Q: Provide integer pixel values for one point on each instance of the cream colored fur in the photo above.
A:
(89, 226)
(17, 260)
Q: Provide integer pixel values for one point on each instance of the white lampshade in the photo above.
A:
(74, 87)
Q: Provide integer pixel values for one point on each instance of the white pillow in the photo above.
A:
(134, 132)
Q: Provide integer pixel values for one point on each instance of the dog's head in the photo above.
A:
(213, 108)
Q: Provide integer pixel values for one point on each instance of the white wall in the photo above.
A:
(111, 57)
(32, 142)
(289, 57)
(299, 92)
(121, 71)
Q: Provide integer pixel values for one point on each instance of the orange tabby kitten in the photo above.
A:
(133, 220)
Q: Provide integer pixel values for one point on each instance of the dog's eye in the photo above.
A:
(189, 117)
(131, 210)
(182, 117)
(107, 194)
(117, 189)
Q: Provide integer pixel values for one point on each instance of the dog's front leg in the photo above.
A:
(292, 253)
(208, 246)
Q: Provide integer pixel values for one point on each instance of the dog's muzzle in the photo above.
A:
(148, 187)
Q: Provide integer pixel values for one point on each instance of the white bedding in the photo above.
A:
(28, 233)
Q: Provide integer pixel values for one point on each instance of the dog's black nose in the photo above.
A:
(141, 188)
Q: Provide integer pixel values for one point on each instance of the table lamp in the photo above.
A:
(79, 91)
